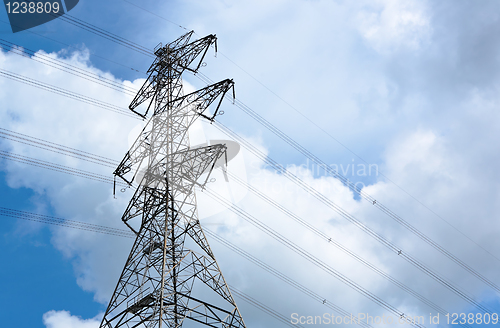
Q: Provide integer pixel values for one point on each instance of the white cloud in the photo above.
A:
(390, 25)
(438, 148)
(64, 319)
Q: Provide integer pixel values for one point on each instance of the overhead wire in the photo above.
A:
(336, 140)
(30, 216)
(302, 185)
(36, 141)
(152, 13)
(117, 40)
(275, 204)
(281, 239)
(354, 187)
(66, 67)
(105, 34)
(304, 254)
(385, 242)
(363, 194)
(57, 148)
(59, 168)
(240, 105)
(337, 244)
(328, 269)
(313, 192)
(35, 217)
(264, 308)
(24, 215)
(357, 189)
(66, 93)
(93, 54)
(320, 299)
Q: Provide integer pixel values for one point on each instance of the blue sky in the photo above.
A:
(410, 88)
(31, 266)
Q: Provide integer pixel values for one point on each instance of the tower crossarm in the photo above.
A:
(201, 99)
(187, 166)
(171, 61)
(190, 106)
(182, 174)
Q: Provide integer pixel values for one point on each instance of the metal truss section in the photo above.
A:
(186, 167)
(171, 276)
(171, 61)
(182, 112)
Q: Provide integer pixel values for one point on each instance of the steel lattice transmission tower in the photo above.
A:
(171, 276)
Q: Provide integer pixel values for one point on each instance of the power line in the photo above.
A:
(262, 307)
(247, 110)
(105, 34)
(59, 168)
(321, 197)
(273, 203)
(29, 216)
(281, 276)
(73, 47)
(399, 250)
(322, 265)
(263, 228)
(316, 261)
(152, 13)
(65, 67)
(336, 244)
(66, 93)
(333, 172)
(56, 148)
(391, 246)
(366, 196)
(327, 202)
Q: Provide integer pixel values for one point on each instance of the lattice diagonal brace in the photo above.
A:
(171, 276)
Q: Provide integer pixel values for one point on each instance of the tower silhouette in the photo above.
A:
(171, 277)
